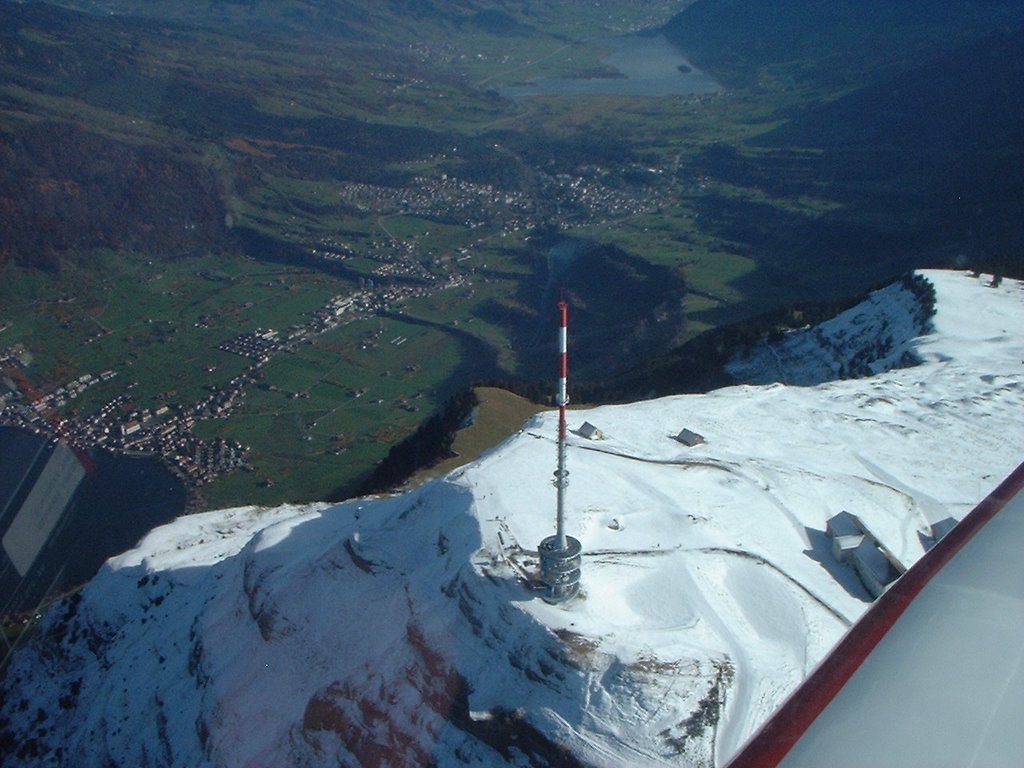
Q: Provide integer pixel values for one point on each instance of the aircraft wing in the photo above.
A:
(933, 674)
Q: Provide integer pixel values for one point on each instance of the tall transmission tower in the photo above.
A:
(560, 554)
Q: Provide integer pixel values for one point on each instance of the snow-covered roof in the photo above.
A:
(689, 437)
(844, 524)
(849, 542)
(874, 562)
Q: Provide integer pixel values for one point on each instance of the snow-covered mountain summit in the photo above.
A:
(405, 630)
(877, 335)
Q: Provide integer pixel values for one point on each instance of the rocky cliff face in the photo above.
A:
(877, 335)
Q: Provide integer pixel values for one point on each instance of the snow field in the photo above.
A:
(391, 631)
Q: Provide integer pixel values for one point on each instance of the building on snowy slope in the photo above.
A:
(854, 545)
(690, 438)
(590, 432)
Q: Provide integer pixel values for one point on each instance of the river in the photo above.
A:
(648, 65)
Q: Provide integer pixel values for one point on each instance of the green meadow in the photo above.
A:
(282, 138)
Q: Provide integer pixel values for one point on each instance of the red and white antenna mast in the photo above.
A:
(562, 400)
(560, 554)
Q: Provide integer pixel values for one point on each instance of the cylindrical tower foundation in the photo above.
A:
(560, 568)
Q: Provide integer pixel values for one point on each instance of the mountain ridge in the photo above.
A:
(405, 629)
(844, 40)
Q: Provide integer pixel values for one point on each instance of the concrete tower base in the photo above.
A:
(560, 568)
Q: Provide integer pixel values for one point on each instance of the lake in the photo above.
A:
(649, 65)
(117, 501)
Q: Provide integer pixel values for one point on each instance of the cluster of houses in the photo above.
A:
(164, 431)
(62, 395)
(256, 345)
(589, 197)
(167, 430)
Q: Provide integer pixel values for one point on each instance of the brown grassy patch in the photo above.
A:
(498, 415)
